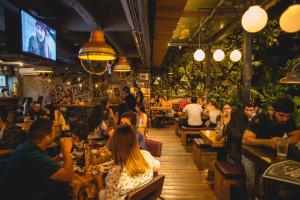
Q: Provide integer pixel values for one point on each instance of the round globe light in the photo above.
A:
(289, 20)
(199, 55)
(235, 55)
(219, 55)
(254, 19)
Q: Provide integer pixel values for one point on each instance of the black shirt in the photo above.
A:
(131, 102)
(265, 127)
(36, 115)
(26, 173)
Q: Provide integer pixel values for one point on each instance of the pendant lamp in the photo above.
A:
(289, 20)
(122, 69)
(292, 76)
(219, 55)
(235, 55)
(254, 19)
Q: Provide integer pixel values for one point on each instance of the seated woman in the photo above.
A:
(60, 120)
(167, 103)
(213, 113)
(96, 123)
(141, 118)
(132, 167)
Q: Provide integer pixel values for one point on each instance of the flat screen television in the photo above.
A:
(37, 38)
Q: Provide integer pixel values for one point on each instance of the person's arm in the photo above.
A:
(294, 136)
(65, 173)
(145, 121)
(249, 138)
(6, 151)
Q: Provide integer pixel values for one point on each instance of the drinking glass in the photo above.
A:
(282, 147)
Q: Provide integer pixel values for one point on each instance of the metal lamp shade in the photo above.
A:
(97, 49)
(122, 66)
(293, 76)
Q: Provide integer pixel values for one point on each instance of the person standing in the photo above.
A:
(139, 96)
(129, 99)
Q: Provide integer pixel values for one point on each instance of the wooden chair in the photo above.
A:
(149, 191)
(154, 147)
(227, 175)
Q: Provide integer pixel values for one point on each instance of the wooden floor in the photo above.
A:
(183, 180)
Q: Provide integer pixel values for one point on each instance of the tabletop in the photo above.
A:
(210, 137)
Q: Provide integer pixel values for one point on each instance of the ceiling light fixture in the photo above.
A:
(199, 54)
(292, 76)
(122, 69)
(254, 19)
(235, 55)
(289, 20)
(95, 52)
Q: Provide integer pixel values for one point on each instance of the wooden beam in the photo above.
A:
(246, 69)
(221, 12)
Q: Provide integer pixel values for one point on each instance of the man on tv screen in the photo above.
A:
(38, 42)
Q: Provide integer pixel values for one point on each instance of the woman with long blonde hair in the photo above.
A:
(132, 167)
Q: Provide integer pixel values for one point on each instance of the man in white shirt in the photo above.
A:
(193, 112)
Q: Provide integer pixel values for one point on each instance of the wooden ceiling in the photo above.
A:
(167, 14)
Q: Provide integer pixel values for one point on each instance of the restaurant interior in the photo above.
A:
(149, 99)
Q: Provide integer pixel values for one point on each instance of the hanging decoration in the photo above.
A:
(219, 55)
(290, 19)
(254, 19)
(122, 69)
(235, 55)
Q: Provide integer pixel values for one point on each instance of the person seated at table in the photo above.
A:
(132, 167)
(36, 111)
(265, 130)
(167, 103)
(270, 111)
(193, 112)
(222, 121)
(250, 111)
(184, 102)
(213, 112)
(11, 136)
(29, 171)
(141, 118)
(96, 123)
(128, 118)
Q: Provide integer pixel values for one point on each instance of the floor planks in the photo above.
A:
(183, 180)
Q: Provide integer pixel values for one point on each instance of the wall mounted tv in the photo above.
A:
(37, 38)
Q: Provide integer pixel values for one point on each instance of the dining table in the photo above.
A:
(154, 109)
(262, 158)
(209, 137)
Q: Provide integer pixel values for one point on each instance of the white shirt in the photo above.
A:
(194, 114)
(119, 183)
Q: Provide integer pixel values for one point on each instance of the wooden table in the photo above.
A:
(262, 158)
(157, 108)
(210, 137)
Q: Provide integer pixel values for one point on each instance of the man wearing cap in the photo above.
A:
(38, 42)
(265, 130)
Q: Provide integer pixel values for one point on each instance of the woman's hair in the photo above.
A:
(126, 151)
(141, 107)
(103, 103)
(95, 118)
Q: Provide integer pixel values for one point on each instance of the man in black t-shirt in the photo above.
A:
(36, 112)
(129, 99)
(29, 171)
(265, 130)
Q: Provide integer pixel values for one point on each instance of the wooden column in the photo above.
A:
(208, 70)
(246, 73)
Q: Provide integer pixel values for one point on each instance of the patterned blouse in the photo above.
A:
(119, 183)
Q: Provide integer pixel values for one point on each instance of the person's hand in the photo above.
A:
(111, 132)
(273, 142)
(66, 145)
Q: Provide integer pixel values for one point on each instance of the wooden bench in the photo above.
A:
(227, 175)
(203, 154)
(185, 131)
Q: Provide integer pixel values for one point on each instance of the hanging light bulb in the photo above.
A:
(199, 55)
(254, 19)
(69, 83)
(219, 55)
(96, 85)
(289, 20)
(78, 79)
(235, 55)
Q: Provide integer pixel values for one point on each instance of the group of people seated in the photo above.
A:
(250, 126)
(28, 159)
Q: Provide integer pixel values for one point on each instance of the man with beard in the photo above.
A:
(265, 130)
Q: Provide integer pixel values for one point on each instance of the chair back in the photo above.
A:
(149, 191)
(154, 147)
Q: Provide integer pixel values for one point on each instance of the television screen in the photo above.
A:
(37, 37)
